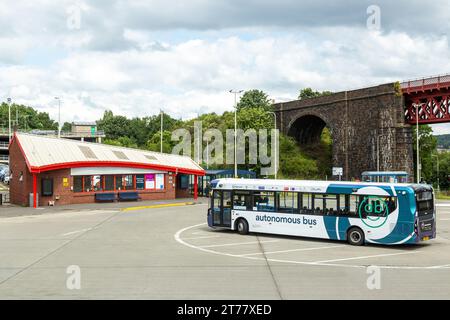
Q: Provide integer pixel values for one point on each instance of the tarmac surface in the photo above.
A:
(158, 251)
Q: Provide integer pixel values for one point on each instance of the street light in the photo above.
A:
(417, 105)
(235, 92)
(9, 118)
(437, 165)
(199, 144)
(275, 144)
(378, 154)
(59, 116)
(162, 115)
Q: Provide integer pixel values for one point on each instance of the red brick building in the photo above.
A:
(52, 171)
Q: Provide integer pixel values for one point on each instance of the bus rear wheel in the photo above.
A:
(242, 226)
(355, 237)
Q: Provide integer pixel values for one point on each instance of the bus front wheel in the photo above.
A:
(242, 226)
(355, 237)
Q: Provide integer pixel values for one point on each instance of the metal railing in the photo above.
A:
(4, 158)
(54, 133)
(4, 144)
(435, 82)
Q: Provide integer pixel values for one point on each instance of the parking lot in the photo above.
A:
(169, 253)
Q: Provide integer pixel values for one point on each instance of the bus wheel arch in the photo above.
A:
(241, 225)
(355, 236)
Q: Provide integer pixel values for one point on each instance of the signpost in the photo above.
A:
(338, 171)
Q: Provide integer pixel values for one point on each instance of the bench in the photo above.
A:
(105, 197)
(129, 196)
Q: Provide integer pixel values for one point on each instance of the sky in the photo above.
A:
(136, 57)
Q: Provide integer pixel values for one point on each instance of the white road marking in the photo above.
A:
(367, 257)
(444, 219)
(237, 244)
(75, 232)
(291, 250)
(442, 204)
(204, 237)
(178, 234)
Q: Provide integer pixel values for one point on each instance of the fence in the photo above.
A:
(4, 198)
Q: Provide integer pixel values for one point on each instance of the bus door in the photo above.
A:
(221, 209)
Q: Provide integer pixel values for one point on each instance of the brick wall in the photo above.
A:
(21, 184)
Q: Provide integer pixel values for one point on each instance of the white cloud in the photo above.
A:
(193, 76)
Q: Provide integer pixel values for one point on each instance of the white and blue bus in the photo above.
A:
(355, 212)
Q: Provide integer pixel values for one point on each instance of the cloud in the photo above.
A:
(135, 57)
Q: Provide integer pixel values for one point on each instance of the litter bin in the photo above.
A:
(31, 200)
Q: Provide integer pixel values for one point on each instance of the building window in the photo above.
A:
(87, 183)
(109, 183)
(128, 182)
(98, 185)
(78, 184)
(119, 184)
(47, 187)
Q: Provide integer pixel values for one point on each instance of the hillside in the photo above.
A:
(443, 141)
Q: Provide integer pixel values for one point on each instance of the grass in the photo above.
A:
(443, 195)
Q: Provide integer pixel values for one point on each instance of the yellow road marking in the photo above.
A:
(156, 206)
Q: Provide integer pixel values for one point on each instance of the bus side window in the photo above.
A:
(217, 200)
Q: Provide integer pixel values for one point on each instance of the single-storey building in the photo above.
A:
(51, 171)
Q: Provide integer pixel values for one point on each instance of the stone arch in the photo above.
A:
(307, 128)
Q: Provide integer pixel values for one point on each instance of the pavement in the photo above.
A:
(167, 252)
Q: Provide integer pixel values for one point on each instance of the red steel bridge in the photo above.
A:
(429, 98)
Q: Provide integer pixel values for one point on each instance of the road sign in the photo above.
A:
(338, 171)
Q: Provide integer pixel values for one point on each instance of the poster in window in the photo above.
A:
(149, 181)
(140, 182)
(160, 181)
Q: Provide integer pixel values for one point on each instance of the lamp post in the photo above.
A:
(59, 116)
(437, 169)
(417, 105)
(199, 144)
(378, 155)
(276, 142)
(162, 117)
(235, 92)
(9, 119)
(207, 154)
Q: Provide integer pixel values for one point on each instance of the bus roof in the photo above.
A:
(385, 173)
(300, 185)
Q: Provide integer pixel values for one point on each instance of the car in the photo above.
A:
(4, 171)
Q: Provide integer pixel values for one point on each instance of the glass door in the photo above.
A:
(221, 208)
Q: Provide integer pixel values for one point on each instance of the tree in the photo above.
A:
(28, 118)
(293, 164)
(309, 93)
(254, 99)
(427, 148)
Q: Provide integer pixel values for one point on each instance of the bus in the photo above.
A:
(385, 176)
(355, 212)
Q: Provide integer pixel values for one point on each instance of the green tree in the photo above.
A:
(427, 147)
(28, 118)
(293, 164)
(254, 99)
(309, 93)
